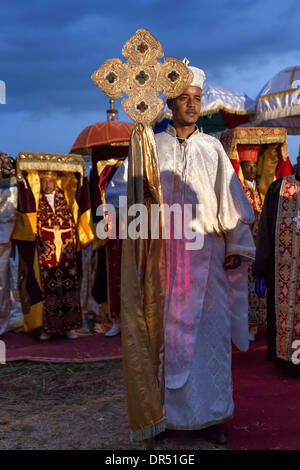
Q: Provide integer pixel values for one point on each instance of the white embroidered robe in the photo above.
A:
(206, 306)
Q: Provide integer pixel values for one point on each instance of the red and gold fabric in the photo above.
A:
(56, 244)
(273, 160)
(55, 230)
(248, 153)
(253, 196)
(287, 268)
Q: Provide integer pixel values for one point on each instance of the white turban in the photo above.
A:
(199, 77)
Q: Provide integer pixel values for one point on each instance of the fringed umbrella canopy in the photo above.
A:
(112, 133)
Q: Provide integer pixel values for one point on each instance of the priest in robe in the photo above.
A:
(276, 268)
(206, 299)
(53, 222)
(248, 156)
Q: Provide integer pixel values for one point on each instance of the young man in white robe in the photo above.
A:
(207, 287)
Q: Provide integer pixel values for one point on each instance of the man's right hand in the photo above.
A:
(260, 286)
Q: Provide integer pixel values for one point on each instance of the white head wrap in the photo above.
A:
(199, 77)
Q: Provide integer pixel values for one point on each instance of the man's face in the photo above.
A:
(186, 107)
(48, 185)
(249, 170)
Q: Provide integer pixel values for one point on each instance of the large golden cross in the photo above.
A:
(142, 77)
(57, 232)
(292, 71)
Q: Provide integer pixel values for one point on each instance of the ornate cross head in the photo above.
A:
(142, 77)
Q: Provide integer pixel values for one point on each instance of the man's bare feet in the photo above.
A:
(215, 434)
(44, 336)
(149, 443)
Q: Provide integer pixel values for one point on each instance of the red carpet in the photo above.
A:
(87, 348)
(267, 400)
(267, 403)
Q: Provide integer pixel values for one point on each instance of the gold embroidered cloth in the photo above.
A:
(287, 269)
(142, 298)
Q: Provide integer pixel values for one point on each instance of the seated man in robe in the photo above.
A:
(56, 240)
(53, 225)
(276, 268)
(248, 155)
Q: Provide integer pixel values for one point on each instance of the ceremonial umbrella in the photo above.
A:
(222, 108)
(107, 143)
(278, 103)
(109, 133)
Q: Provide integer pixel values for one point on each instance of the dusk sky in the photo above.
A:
(49, 49)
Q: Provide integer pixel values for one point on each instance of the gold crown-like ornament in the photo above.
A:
(48, 174)
(50, 163)
(142, 77)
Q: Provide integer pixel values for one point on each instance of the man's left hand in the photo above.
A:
(232, 262)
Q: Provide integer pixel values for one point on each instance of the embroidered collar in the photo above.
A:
(251, 184)
(171, 130)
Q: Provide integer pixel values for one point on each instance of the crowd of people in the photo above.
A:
(245, 275)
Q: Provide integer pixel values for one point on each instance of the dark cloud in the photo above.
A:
(49, 49)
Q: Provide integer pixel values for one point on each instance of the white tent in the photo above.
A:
(221, 97)
(222, 107)
(278, 103)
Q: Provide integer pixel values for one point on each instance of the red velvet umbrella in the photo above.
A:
(114, 133)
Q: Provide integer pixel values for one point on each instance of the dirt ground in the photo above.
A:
(70, 407)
